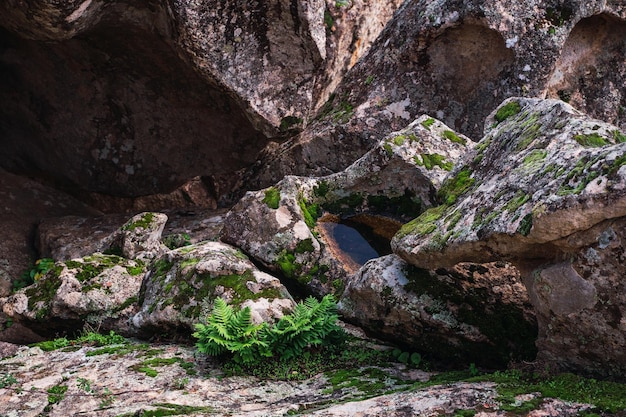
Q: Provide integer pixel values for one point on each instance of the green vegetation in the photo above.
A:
(453, 187)
(428, 123)
(167, 409)
(147, 366)
(86, 339)
(34, 273)
(225, 331)
(606, 396)
(592, 140)
(369, 79)
(272, 197)
(431, 160)
(535, 156)
(310, 212)
(55, 395)
(177, 240)
(144, 222)
(453, 137)
(7, 380)
(289, 122)
(425, 224)
(619, 137)
(508, 110)
(525, 225)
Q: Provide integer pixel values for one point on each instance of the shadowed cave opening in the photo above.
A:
(117, 111)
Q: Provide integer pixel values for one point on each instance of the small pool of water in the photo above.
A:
(357, 239)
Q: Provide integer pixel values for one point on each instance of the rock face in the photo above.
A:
(471, 314)
(163, 92)
(279, 226)
(456, 61)
(24, 204)
(546, 189)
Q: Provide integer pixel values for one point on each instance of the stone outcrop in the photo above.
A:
(98, 289)
(149, 288)
(279, 226)
(545, 189)
(470, 314)
(456, 61)
(127, 100)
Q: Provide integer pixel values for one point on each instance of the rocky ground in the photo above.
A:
(138, 379)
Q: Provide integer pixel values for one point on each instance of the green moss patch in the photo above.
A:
(428, 123)
(453, 137)
(272, 197)
(143, 222)
(431, 160)
(423, 225)
(592, 140)
(508, 110)
(453, 187)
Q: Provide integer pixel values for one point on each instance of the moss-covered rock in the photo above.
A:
(181, 285)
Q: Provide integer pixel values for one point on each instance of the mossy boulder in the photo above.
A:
(99, 289)
(469, 314)
(181, 285)
(546, 190)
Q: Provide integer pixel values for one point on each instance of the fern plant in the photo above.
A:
(309, 325)
(312, 324)
(234, 332)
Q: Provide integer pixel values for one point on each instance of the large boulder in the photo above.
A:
(99, 290)
(181, 285)
(469, 314)
(279, 226)
(545, 189)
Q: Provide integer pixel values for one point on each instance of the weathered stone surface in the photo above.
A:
(456, 61)
(99, 289)
(543, 173)
(278, 226)
(69, 237)
(140, 237)
(546, 190)
(472, 313)
(208, 77)
(117, 386)
(181, 285)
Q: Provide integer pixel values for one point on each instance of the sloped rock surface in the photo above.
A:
(546, 190)
(181, 285)
(277, 226)
(471, 314)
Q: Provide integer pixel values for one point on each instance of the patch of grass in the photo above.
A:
(453, 137)
(619, 137)
(592, 140)
(508, 110)
(56, 394)
(272, 197)
(428, 123)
